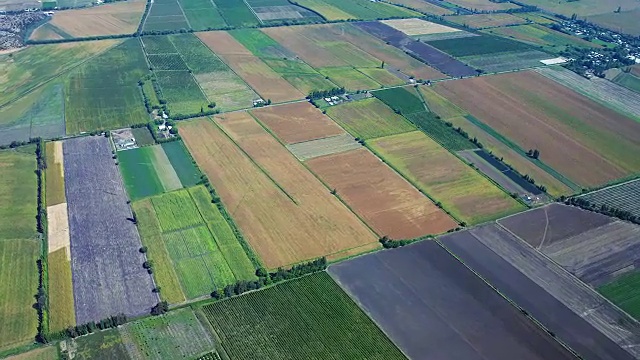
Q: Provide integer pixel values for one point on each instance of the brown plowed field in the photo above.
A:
(110, 19)
(283, 211)
(386, 201)
(266, 82)
(585, 141)
(297, 122)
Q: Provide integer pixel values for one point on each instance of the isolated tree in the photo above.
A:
(143, 249)
(536, 154)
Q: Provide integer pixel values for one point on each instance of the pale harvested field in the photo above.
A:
(284, 212)
(54, 174)
(44, 32)
(386, 201)
(418, 27)
(297, 122)
(585, 141)
(483, 5)
(465, 193)
(483, 21)
(58, 229)
(266, 82)
(424, 7)
(326, 146)
(110, 19)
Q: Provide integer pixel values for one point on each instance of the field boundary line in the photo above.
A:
(184, 15)
(145, 16)
(513, 303)
(575, 280)
(253, 12)
(609, 187)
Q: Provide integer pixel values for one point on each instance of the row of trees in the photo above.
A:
(320, 94)
(42, 301)
(91, 327)
(602, 209)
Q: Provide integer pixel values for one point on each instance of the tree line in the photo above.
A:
(321, 94)
(602, 209)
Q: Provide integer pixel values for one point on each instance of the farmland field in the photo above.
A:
(165, 15)
(100, 345)
(628, 81)
(433, 307)
(503, 62)
(403, 100)
(624, 292)
(483, 21)
(236, 13)
(413, 27)
(439, 131)
(465, 193)
(326, 146)
(383, 76)
(19, 247)
(306, 318)
(97, 100)
(540, 35)
(185, 232)
(386, 201)
(424, 7)
(483, 5)
(571, 310)
(623, 22)
(266, 82)
(602, 91)
(108, 19)
(349, 78)
(297, 122)
(455, 115)
(595, 248)
(61, 309)
(147, 171)
(369, 118)
(479, 45)
(42, 353)
(584, 7)
(356, 9)
(589, 143)
(254, 175)
(624, 197)
(54, 173)
(176, 335)
(182, 163)
(143, 136)
(109, 257)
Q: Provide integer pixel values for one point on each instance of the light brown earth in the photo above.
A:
(110, 19)
(418, 27)
(284, 212)
(483, 21)
(266, 82)
(58, 229)
(386, 201)
(585, 141)
(297, 122)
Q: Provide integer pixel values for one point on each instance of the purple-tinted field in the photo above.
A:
(108, 277)
(426, 53)
(433, 307)
(574, 312)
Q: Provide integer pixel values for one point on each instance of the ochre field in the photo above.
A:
(386, 201)
(109, 19)
(585, 141)
(469, 196)
(297, 122)
(283, 211)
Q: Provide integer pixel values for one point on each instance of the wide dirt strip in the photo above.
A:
(108, 277)
(433, 307)
(575, 313)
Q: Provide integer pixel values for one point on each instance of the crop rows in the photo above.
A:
(440, 132)
(176, 211)
(167, 62)
(196, 55)
(158, 45)
(624, 197)
(401, 100)
(306, 318)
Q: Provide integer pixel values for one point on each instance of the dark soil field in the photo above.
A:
(574, 312)
(108, 277)
(433, 307)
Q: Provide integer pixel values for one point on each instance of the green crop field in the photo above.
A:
(181, 91)
(305, 318)
(158, 45)
(96, 99)
(624, 292)
(151, 235)
(479, 45)
(196, 55)
(404, 100)
(191, 244)
(629, 81)
(143, 136)
(202, 14)
(171, 62)
(182, 162)
(260, 44)
(536, 34)
(18, 194)
(18, 284)
(176, 335)
(165, 15)
(382, 76)
(225, 238)
(100, 345)
(369, 118)
(349, 78)
(176, 211)
(236, 13)
(147, 171)
(440, 131)
(61, 309)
